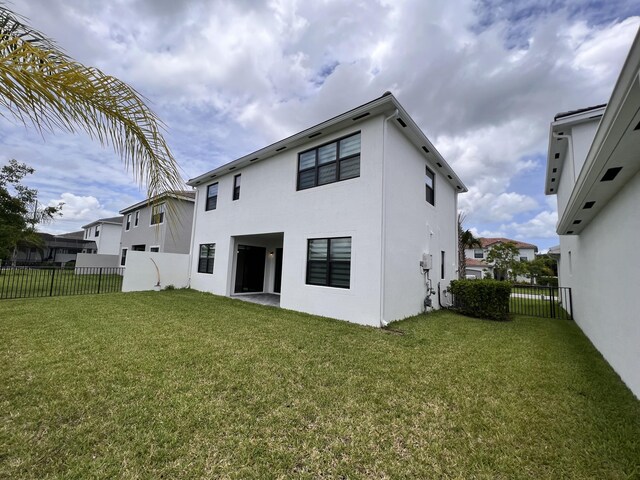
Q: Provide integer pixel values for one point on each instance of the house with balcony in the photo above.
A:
(593, 169)
(161, 224)
(353, 218)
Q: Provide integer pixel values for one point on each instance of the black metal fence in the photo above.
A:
(538, 301)
(27, 282)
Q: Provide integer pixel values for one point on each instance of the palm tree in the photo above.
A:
(40, 85)
(465, 240)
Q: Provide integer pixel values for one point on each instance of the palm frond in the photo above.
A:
(41, 85)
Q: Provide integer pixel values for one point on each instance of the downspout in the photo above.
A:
(383, 233)
(193, 237)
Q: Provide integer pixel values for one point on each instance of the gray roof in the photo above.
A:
(110, 220)
(579, 110)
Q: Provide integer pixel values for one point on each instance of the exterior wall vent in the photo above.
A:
(426, 150)
(361, 116)
(401, 122)
(610, 174)
(315, 135)
(280, 149)
(589, 205)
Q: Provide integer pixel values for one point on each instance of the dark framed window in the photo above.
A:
(128, 224)
(207, 255)
(136, 218)
(154, 249)
(329, 163)
(442, 265)
(157, 214)
(236, 187)
(478, 253)
(123, 258)
(430, 186)
(524, 259)
(329, 262)
(97, 230)
(138, 248)
(212, 197)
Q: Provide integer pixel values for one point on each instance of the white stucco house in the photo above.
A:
(593, 168)
(353, 218)
(105, 232)
(476, 258)
(161, 224)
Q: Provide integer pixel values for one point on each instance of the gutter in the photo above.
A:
(193, 237)
(383, 234)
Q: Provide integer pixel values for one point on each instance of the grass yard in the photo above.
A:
(181, 384)
(45, 282)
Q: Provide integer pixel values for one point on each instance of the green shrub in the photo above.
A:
(482, 298)
(547, 281)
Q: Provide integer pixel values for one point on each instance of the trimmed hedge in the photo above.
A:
(482, 298)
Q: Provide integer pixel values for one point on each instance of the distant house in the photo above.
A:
(106, 234)
(593, 168)
(57, 249)
(354, 218)
(161, 224)
(477, 264)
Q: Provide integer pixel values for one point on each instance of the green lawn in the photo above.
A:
(180, 384)
(37, 282)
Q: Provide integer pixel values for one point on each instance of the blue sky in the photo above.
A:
(483, 80)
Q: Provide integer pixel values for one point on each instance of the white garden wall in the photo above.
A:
(141, 272)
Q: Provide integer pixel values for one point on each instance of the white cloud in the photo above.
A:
(543, 225)
(81, 208)
(489, 207)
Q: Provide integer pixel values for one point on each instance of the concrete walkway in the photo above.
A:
(270, 299)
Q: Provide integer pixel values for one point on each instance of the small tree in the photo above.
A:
(465, 240)
(541, 266)
(505, 260)
(19, 211)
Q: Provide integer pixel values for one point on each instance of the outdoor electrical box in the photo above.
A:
(427, 261)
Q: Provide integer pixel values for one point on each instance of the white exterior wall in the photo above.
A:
(601, 267)
(413, 227)
(269, 203)
(141, 274)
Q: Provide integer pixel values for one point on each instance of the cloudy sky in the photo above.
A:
(482, 78)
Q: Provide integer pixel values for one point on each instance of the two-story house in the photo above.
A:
(593, 168)
(105, 232)
(160, 224)
(353, 218)
(476, 258)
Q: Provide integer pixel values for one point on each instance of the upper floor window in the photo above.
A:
(329, 262)
(430, 185)
(332, 162)
(212, 197)
(86, 233)
(157, 214)
(128, 223)
(97, 231)
(236, 187)
(478, 253)
(136, 218)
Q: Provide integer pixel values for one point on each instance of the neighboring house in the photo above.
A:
(338, 219)
(106, 234)
(161, 224)
(593, 168)
(477, 264)
(477, 268)
(61, 248)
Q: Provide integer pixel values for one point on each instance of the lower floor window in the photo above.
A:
(123, 258)
(329, 262)
(207, 255)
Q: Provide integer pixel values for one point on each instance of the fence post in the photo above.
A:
(570, 305)
(99, 278)
(53, 275)
(552, 303)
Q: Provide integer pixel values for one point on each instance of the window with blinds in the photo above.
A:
(329, 163)
(212, 197)
(329, 262)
